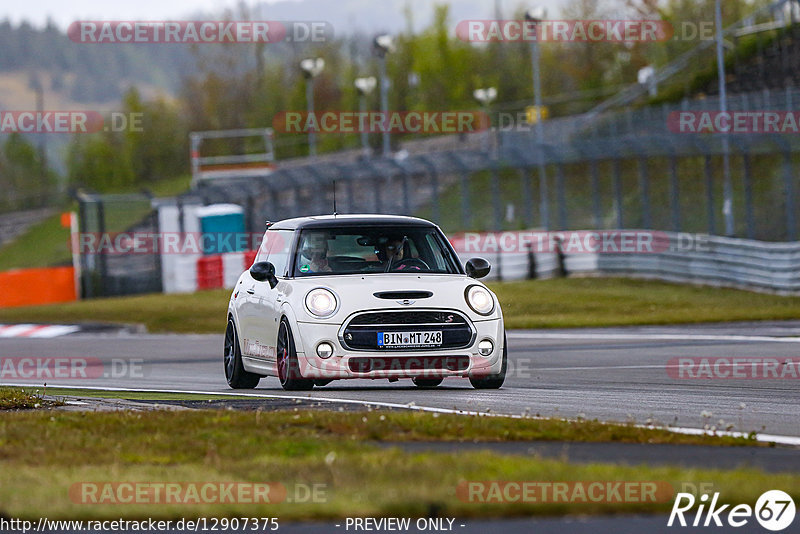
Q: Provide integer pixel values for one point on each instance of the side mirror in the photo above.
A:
(264, 271)
(478, 268)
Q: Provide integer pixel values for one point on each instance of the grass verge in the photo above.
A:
(43, 244)
(594, 302)
(48, 455)
(22, 399)
(47, 243)
(422, 426)
(563, 303)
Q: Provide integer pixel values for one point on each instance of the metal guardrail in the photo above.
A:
(715, 261)
(728, 262)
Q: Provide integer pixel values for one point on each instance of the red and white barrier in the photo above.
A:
(37, 330)
(213, 272)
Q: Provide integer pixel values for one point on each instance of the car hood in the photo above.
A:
(356, 293)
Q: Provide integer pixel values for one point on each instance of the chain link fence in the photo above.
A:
(623, 170)
(106, 269)
(643, 176)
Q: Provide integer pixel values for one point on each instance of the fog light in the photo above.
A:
(324, 350)
(485, 347)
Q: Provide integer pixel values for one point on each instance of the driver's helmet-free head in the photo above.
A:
(390, 247)
(315, 246)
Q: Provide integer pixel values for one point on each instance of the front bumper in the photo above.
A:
(371, 364)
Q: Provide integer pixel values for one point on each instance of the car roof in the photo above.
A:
(336, 221)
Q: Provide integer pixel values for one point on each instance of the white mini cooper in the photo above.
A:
(362, 296)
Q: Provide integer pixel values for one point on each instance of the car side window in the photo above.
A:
(279, 244)
(263, 250)
(432, 244)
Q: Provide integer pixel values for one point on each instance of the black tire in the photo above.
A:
(235, 373)
(426, 382)
(493, 381)
(288, 367)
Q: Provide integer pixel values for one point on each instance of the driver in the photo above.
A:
(392, 254)
(394, 250)
(313, 257)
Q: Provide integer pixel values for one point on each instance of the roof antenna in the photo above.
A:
(334, 199)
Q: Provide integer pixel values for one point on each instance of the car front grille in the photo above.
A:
(430, 364)
(361, 332)
(409, 318)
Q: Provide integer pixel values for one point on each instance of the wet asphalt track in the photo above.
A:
(617, 374)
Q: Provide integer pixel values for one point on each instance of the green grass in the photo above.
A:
(22, 399)
(47, 244)
(43, 244)
(202, 312)
(171, 187)
(420, 426)
(46, 454)
(563, 303)
(589, 302)
(167, 187)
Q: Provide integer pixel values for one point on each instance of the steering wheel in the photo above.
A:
(410, 264)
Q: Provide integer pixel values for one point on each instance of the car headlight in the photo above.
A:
(321, 302)
(480, 300)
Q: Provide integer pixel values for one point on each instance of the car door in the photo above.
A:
(267, 301)
(246, 304)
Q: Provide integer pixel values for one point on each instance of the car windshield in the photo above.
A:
(373, 250)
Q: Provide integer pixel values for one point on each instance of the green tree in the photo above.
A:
(25, 179)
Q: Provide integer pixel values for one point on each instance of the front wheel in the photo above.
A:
(288, 366)
(235, 373)
(493, 381)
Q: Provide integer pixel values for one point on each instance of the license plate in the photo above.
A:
(410, 339)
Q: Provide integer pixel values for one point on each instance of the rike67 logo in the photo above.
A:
(774, 510)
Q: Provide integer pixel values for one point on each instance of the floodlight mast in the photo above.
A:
(365, 87)
(383, 45)
(485, 97)
(536, 16)
(311, 68)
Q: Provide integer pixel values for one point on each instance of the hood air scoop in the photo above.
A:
(403, 295)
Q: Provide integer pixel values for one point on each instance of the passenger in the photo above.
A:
(313, 257)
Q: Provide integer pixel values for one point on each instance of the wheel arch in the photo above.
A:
(288, 313)
(237, 336)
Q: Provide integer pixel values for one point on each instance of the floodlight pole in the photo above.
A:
(485, 97)
(544, 206)
(387, 143)
(383, 45)
(312, 135)
(364, 87)
(311, 69)
(727, 186)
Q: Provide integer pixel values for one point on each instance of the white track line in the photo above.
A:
(744, 365)
(599, 368)
(662, 337)
(766, 438)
